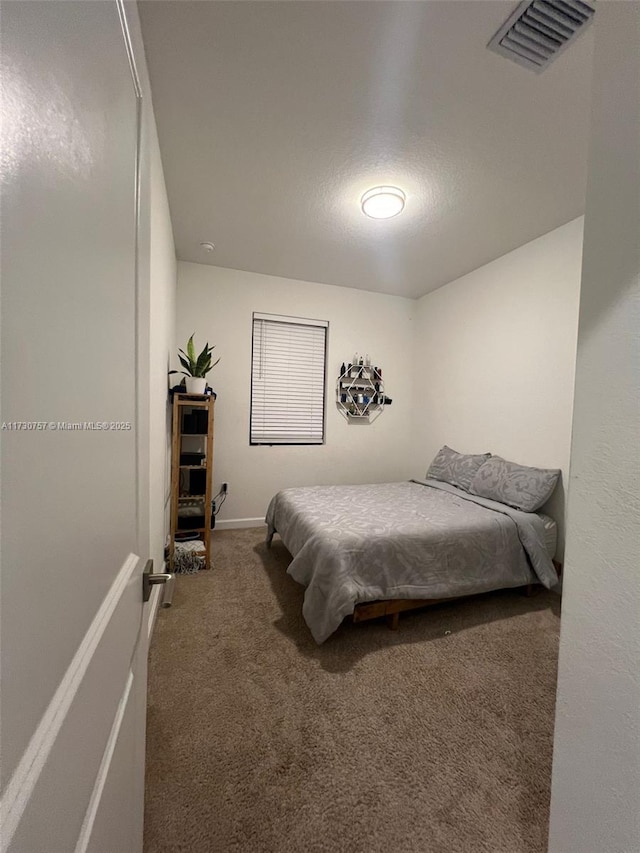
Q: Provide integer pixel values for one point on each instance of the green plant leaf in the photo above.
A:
(203, 363)
(186, 365)
(191, 350)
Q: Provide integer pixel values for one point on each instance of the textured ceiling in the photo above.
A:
(275, 117)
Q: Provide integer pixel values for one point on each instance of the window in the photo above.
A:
(287, 380)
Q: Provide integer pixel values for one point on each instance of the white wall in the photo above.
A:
(595, 804)
(217, 305)
(495, 356)
(162, 270)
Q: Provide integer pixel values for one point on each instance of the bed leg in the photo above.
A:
(392, 621)
(528, 590)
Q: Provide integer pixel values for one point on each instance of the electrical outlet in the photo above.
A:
(225, 488)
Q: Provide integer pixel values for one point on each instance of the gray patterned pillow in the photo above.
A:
(516, 485)
(458, 469)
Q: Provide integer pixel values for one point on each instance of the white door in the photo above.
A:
(75, 434)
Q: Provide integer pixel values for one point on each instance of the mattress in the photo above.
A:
(550, 534)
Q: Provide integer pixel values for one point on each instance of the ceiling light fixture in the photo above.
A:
(383, 202)
(208, 247)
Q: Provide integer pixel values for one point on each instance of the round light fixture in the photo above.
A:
(208, 247)
(383, 202)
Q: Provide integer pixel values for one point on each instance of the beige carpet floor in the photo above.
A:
(435, 738)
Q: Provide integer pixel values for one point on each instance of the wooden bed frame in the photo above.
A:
(391, 608)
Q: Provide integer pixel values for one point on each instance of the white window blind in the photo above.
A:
(287, 380)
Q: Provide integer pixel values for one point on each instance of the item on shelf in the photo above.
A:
(190, 522)
(194, 423)
(197, 481)
(181, 388)
(360, 390)
(192, 518)
(189, 557)
(195, 384)
(183, 536)
(192, 458)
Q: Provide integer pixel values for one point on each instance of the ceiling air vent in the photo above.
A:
(539, 30)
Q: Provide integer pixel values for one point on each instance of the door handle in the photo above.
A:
(149, 579)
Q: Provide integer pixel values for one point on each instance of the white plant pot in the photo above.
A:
(195, 384)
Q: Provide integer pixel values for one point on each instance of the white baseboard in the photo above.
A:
(232, 523)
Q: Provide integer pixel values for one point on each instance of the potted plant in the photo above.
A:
(195, 367)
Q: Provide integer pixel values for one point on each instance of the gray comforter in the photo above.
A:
(418, 539)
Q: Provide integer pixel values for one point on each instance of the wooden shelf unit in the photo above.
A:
(186, 404)
(360, 392)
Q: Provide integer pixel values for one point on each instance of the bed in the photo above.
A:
(376, 549)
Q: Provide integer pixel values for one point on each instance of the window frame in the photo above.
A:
(300, 321)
